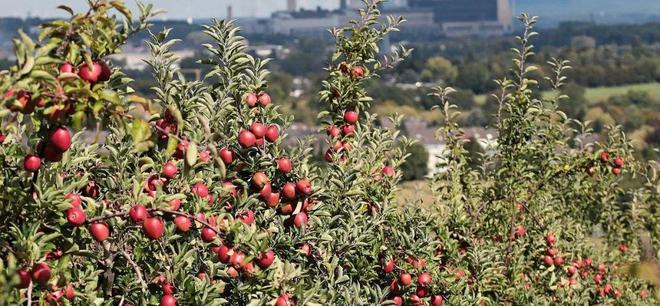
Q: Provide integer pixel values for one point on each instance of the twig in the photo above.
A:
(29, 294)
(136, 268)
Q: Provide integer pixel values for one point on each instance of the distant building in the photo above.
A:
(468, 17)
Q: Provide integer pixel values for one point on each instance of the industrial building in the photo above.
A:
(448, 17)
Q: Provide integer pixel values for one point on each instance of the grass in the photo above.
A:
(598, 94)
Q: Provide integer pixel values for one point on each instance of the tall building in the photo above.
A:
(468, 17)
(291, 5)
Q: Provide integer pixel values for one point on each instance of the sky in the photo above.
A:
(182, 9)
(176, 9)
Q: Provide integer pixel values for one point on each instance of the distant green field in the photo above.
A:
(597, 94)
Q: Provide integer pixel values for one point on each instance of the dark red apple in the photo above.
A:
(41, 273)
(60, 138)
(266, 259)
(24, 278)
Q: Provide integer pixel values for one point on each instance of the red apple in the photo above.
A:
(616, 171)
(67, 68)
(303, 186)
(69, 293)
(208, 235)
(405, 279)
(559, 261)
(31, 163)
(259, 180)
(272, 199)
(153, 227)
(266, 259)
(285, 300)
(200, 190)
(138, 213)
(436, 300)
(357, 72)
(182, 223)
(99, 231)
(90, 75)
(520, 231)
(24, 278)
(246, 139)
(41, 273)
(60, 138)
(169, 170)
(168, 289)
(289, 191)
(350, 117)
(389, 171)
(237, 259)
(333, 131)
(300, 219)
(105, 71)
(74, 199)
(552, 251)
(397, 300)
(424, 279)
(168, 300)
(258, 129)
(226, 155)
(547, 260)
(604, 156)
(348, 129)
(251, 100)
(389, 266)
(224, 253)
(246, 217)
(550, 239)
(264, 99)
(272, 133)
(2, 138)
(284, 165)
(75, 216)
(51, 154)
(175, 204)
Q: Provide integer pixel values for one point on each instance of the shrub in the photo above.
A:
(191, 197)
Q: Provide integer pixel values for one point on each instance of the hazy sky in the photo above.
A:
(176, 8)
(181, 9)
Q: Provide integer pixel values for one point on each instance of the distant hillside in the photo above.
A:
(602, 11)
